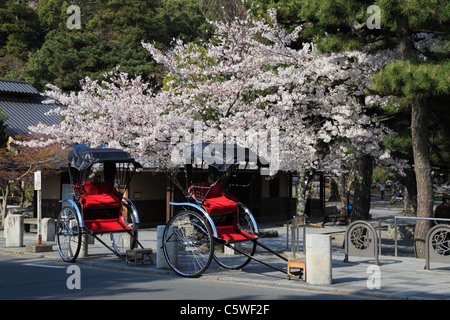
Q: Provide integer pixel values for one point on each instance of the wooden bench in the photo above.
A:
(28, 222)
(333, 215)
(298, 264)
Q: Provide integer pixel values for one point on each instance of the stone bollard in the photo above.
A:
(14, 230)
(48, 229)
(172, 250)
(318, 259)
(84, 245)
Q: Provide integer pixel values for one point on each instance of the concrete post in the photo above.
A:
(318, 259)
(84, 245)
(172, 249)
(48, 229)
(14, 230)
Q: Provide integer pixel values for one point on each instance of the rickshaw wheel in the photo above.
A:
(68, 234)
(123, 241)
(188, 244)
(229, 258)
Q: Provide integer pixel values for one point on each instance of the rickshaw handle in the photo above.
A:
(133, 209)
(77, 211)
(247, 210)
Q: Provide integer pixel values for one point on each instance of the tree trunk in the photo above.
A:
(422, 168)
(363, 184)
(404, 37)
(334, 190)
(345, 186)
(409, 181)
(420, 141)
(5, 203)
(302, 192)
(406, 201)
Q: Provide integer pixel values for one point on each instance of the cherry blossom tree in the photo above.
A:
(245, 85)
(249, 79)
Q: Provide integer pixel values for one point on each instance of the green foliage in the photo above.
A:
(66, 58)
(380, 175)
(413, 79)
(50, 13)
(428, 81)
(422, 14)
(332, 25)
(341, 25)
(110, 35)
(20, 31)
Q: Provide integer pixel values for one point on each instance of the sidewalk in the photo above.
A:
(402, 277)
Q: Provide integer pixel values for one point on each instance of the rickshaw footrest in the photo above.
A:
(139, 255)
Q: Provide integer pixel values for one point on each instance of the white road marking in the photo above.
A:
(43, 265)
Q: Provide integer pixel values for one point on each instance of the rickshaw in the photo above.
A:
(98, 206)
(213, 224)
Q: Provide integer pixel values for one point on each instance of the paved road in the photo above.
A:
(26, 278)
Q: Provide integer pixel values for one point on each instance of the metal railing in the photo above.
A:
(294, 225)
(295, 233)
(410, 218)
(396, 228)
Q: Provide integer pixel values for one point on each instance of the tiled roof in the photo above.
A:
(23, 105)
(23, 113)
(17, 87)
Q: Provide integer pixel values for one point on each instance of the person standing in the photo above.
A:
(382, 191)
(443, 210)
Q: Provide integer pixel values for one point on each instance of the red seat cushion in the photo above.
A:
(92, 188)
(215, 202)
(219, 205)
(219, 201)
(229, 233)
(106, 225)
(100, 195)
(102, 207)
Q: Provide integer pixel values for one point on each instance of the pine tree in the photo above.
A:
(419, 79)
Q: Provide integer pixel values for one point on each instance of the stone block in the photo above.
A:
(318, 259)
(48, 229)
(39, 248)
(172, 249)
(14, 230)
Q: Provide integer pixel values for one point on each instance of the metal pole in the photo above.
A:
(379, 236)
(37, 187)
(297, 239)
(304, 234)
(293, 236)
(39, 215)
(287, 236)
(395, 230)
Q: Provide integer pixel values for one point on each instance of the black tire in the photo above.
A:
(123, 241)
(68, 234)
(229, 258)
(188, 244)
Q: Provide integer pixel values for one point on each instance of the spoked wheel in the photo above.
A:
(68, 234)
(232, 259)
(187, 244)
(123, 241)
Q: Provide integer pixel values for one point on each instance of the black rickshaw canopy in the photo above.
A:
(82, 158)
(221, 155)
